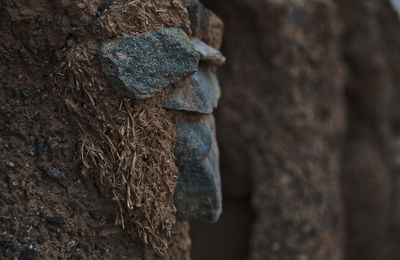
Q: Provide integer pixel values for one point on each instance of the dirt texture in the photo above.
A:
(62, 129)
(369, 184)
(280, 127)
(312, 88)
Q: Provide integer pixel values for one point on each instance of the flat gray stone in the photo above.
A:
(200, 94)
(140, 66)
(198, 192)
(207, 53)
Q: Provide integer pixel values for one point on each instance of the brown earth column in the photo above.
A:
(280, 124)
(368, 159)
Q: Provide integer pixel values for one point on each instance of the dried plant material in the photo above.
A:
(127, 144)
(135, 17)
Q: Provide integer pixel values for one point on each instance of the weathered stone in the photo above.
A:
(198, 16)
(198, 191)
(140, 66)
(207, 53)
(205, 24)
(200, 94)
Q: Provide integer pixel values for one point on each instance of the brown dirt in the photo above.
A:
(295, 131)
(368, 168)
(280, 127)
(38, 39)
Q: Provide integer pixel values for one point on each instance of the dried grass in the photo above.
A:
(129, 144)
(139, 16)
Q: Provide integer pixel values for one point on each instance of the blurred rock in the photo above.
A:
(198, 191)
(200, 94)
(207, 53)
(198, 15)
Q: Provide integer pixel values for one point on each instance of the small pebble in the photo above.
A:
(40, 239)
(58, 54)
(36, 116)
(159, 254)
(56, 220)
(53, 145)
(40, 146)
(52, 173)
(52, 228)
(99, 245)
(26, 92)
(70, 43)
(10, 164)
(69, 245)
(275, 246)
(59, 237)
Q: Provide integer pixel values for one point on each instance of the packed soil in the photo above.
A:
(53, 204)
(308, 128)
(280, 125)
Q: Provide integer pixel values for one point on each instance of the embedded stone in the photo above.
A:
(207, 53)
(198, 16)
(198, 192)
(140, 66)
(200, 93)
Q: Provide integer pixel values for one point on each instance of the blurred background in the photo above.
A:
(309, 131)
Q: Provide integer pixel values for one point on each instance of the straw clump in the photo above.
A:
(128, 144)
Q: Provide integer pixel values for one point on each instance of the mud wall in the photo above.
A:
(312, 88)
(280, 130)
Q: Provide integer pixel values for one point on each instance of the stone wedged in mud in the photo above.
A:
(200, 93)
(198, 15)
(140, 66)
(198, 191)
(207, 53)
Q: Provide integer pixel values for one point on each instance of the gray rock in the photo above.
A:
(200, 94)
(207, 53)
(199, 16)
(51, 173)
(69, 245)
(140, 66)
(198, 191)
(40, 146)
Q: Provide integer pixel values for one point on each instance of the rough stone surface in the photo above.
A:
(140, 66)
(205, 24)
(200, 94)
(198, 16)
(207, 53)
(198, 192)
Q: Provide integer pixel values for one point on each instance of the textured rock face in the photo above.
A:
(198, 16)
(198, 192)
(200, 94)
(140, 66)
(207, 53)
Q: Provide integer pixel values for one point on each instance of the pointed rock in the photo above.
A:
(140, 66)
